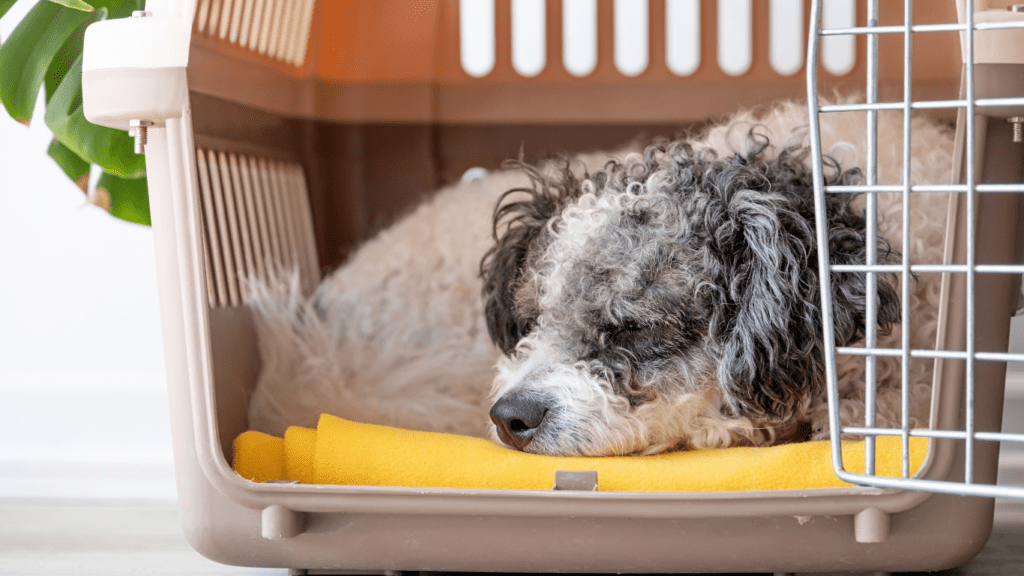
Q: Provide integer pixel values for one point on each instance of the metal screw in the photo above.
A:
(138, 129)
(1018, 127)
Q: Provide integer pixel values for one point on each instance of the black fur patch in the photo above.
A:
(517, 231)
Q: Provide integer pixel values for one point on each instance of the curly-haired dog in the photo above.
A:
(633, 303)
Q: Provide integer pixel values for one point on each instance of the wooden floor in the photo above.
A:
(109, 538)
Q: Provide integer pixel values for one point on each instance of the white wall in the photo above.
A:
(83, 408)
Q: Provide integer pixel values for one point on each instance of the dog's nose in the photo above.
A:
(517, 418)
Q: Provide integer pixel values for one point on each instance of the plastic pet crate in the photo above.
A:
(269, 128)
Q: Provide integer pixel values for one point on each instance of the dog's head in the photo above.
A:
(668, 301)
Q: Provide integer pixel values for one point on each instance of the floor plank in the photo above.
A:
(120, 538)
(58, 538)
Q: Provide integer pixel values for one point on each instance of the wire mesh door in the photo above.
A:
(985, 187)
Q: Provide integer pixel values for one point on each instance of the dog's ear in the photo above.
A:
(847, 244)
(772, 344)
(518, 229)
(769, 358)
(501, 269)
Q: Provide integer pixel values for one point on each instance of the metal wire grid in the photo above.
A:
(871, 107)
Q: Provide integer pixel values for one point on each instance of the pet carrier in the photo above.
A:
(269, 128)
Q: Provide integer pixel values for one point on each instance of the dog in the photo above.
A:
(650, 299)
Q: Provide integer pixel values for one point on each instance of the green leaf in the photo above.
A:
(120, 8)
(26, 55)
(75, 4)
(68, 53)
(5, 5)
(112, 149)
(72, 165)
(129, 198)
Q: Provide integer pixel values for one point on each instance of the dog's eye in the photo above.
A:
(630, 326)
(633, 336)
(622, 330)
(655, 339)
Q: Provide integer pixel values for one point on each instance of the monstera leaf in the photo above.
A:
(45, 52)
(5, 5)
(71, 163)
(129, 198)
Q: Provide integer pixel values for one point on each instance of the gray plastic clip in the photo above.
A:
(581, 480)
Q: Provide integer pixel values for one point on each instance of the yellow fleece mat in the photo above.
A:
(349, 453)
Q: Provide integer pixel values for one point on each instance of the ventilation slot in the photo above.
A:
(629, 36)
(256, 220)
(275, 28)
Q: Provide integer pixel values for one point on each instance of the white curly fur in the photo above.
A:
(397, 335)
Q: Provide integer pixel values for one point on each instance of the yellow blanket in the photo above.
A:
(349, 453)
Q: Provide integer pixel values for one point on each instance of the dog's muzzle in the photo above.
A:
(518, 416)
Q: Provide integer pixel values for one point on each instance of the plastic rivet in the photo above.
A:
(871, 526)
(280, 522)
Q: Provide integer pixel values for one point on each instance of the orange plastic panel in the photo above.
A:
(362, 41)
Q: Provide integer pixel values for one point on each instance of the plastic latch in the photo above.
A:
(579, 480)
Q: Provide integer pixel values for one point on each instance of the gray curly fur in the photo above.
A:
(710, 261)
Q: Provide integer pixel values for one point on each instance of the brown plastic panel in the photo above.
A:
(399, 61)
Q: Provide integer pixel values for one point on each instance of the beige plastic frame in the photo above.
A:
(211, 359)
